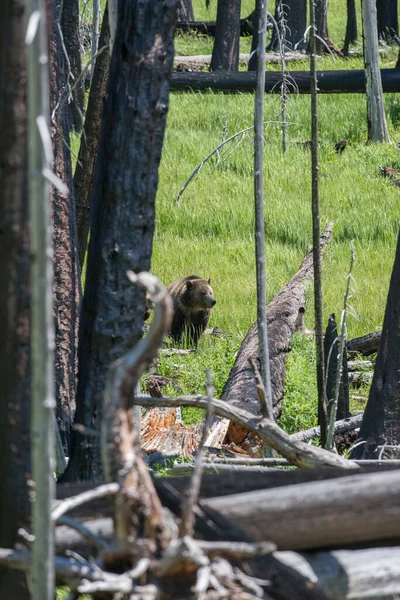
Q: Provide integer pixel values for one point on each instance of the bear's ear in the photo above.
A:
(208, 281)
(189, 284)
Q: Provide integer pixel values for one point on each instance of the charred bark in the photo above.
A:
(209, 27)
(321, 22)
(388, 20)
(225, 55)
(331, 350)
(295, 16)
(89, 140)
(184, 11)
(365, 345)
(381, 422)
(70, 32)
(14, 300)
(351, 26)
(66, 264)
(122, 220)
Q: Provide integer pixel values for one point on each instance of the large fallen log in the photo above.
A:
(323, 514)
(365, 345)
(240, 389)
(329, 82)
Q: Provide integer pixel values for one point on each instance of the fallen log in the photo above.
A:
(204, 60)
(359, 378)
(365, 345)
(341, 426)
(349, 510)
(329, 82)
(240, 389)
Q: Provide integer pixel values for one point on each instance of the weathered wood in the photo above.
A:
(331, 352)
(365, 345)
(308, 515)
(329, 82)
(282, 311)
(341, 426)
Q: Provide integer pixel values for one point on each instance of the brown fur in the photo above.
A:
(193, 300)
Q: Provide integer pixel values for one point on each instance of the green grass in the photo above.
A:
(210, 230)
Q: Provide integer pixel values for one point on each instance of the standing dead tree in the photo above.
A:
(122, 209)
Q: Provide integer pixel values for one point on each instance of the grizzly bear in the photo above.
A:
(193, 300)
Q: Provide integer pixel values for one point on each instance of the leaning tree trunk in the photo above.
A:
(123, 214)
(377, 127)
(388, 19)
(66, 264)
(70, 32)
(225, 55)
(184, 11)
(381, 422)
(351, 26)
(88, 149)
(15, 469)
(295, 16)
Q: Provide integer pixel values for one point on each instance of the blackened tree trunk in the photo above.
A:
(184, 11)
(321, 22)
(381, 422)
(331, 351)
(388, 20)
(70, 32)
(123, 212)
(253, 62)
(351, 26)
(66, 263)
(225, 55)
(88, 149)
(294, 13)
(15, 470)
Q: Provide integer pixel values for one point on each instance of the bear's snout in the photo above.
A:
(213, 301)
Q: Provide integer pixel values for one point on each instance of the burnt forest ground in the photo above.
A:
(209, 231)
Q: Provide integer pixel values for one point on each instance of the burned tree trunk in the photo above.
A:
(321, 22)
(66, 264)
(381, 423)
(331, 350)
(89, 140)
(70, 32)
(282, 312)
(295, 16)
(15, 466)
(184, 11)
(225, 55)
(388, 19)
(122, 220)
(351, 26)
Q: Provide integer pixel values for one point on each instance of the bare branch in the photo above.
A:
(265, 408)
(108, 489)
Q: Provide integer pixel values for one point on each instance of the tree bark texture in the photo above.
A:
(308, 515)
(381, 422)
(70, 32)
(253, 60)
(331, 351)
(122, 217)
(351, 26)
(67, 289)
(329, 82)
(295, 13)
(282, 311)
(365, 345)
(15, 469)
(184, 11)
(84, 169)
(225, 54)
(209, 27)
(377, 127)
(321, 23)
(388, 19)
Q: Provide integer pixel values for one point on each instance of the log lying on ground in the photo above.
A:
(329, 82)
(282, 311)
(341, 426)
(204, 60)
(324, 514)
(365, 345)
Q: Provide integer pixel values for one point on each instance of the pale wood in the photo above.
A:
(352, 509)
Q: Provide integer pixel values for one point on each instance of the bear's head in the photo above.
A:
(199, 294)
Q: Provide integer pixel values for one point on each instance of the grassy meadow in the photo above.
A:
(209, 231)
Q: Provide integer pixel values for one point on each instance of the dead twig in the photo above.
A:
(108, 489)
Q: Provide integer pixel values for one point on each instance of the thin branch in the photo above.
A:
(265, 408)
(216, 150)
(298, 453)
(108, 489)
(91, 537)
(235, 550)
